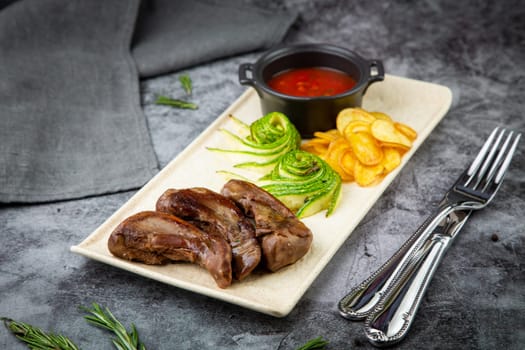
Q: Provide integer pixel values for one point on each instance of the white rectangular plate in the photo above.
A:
(419, 104)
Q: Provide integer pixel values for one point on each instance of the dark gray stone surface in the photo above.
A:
(477, 297)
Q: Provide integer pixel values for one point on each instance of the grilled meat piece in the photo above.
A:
(284, 238)
(216, 214)
(158, 238)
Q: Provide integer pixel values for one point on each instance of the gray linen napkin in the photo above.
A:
(71, 124)
(174, 34)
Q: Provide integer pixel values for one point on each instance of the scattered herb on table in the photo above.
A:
(105, 319)
(37, 339)
(316, 343)
(167, 101)
(186, 83)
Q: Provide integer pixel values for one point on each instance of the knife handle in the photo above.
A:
(393, 315)
(361, 300)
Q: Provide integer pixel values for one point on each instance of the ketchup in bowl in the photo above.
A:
(311, 82)
(324, 80)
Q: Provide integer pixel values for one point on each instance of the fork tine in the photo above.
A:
(479, 158)
(498, 162)
(508, 158)
(498, 167)
(480, 175)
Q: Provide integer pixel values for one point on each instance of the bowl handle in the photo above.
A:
(377, 72)
(244, 68)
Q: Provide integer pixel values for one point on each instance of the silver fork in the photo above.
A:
(476, 187)
(478, 184)
(473, 190)
(360, 301)
(391, 318)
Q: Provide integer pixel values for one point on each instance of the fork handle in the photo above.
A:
(361, 300)
(391, 320)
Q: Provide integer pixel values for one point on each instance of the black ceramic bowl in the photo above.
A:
(310, 114)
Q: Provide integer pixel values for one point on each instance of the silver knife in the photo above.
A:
(392, 296)
(361, 300)
(391, 318)
(473, 190)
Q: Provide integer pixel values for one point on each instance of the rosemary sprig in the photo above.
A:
(36, 338)
(167, 101)
(105, 319)
(316, 343)
(186, 83)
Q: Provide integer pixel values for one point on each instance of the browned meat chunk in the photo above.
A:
(158, 238)
(216, 214)
(284, 238)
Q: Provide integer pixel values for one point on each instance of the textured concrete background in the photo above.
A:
(477, 297)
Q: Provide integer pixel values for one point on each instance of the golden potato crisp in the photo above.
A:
(386, 131)
(348, 115)
(365, 147)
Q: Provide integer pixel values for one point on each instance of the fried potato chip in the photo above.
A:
(336, 151)
(406, 130)
(391, 158)
(382, 116)
(345, 176)
(365, 148)
(328, 135)
(357, 126)
(401, 148)
(337, 148)
(367, 175)
(319, 141)
(347, 163)
(350, 114)
(385, 131)
(315, 148)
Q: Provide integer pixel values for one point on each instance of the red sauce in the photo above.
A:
(311, 82)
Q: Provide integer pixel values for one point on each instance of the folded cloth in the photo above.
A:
(71, 124)
(174, 34)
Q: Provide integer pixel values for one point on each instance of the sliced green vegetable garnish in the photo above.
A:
(260, 144)
(304, 183)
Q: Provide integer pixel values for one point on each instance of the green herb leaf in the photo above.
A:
(186, 83)
(316, 343)
(36, 338)
(103, 318)
(167, 101)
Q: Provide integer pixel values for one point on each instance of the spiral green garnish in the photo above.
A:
(304, 183)
(261, 144)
